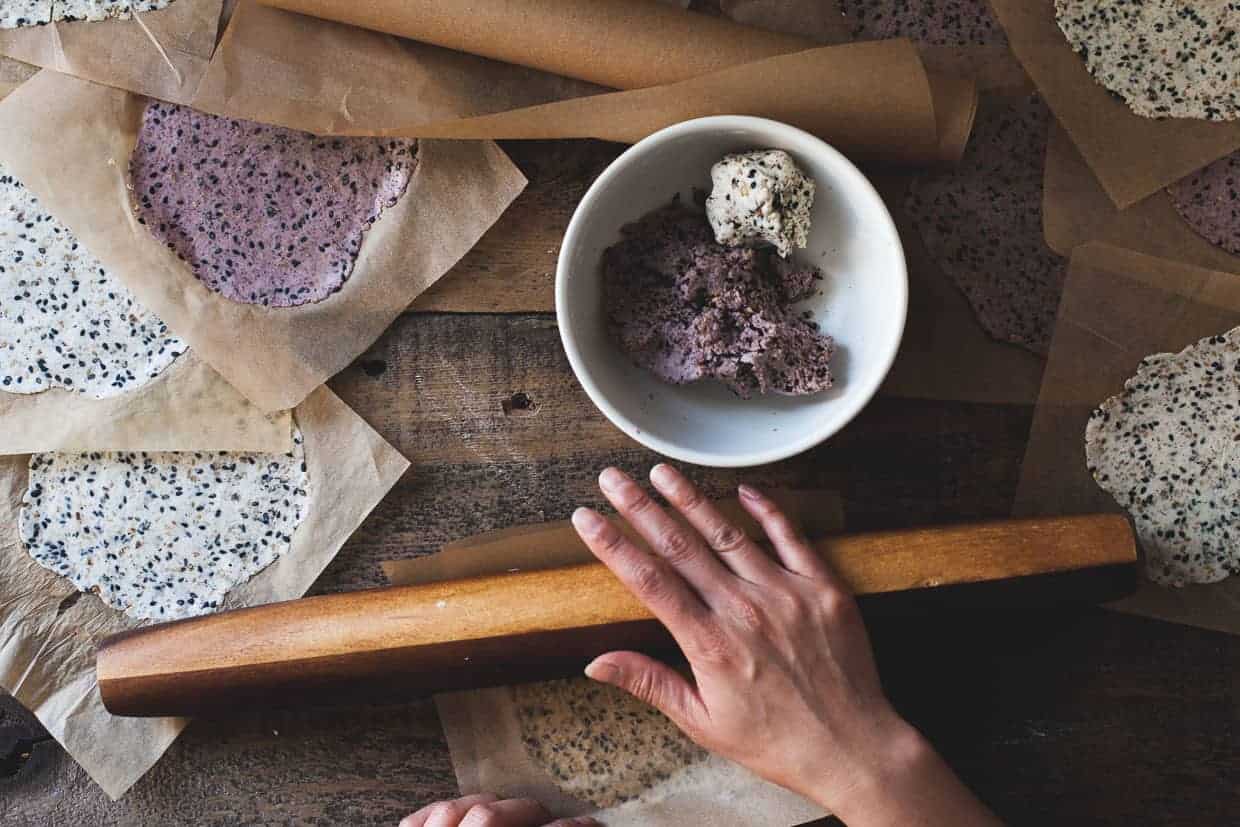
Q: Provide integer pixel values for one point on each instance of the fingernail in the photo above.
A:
(663, 475)
(749, 492)
(603, 672)
(611, 479)
(588, 521)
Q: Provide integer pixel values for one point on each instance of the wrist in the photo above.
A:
(901, 762)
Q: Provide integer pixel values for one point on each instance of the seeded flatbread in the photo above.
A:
(1164, 58)
(262, 214)
(1167, 450)
(20, 13)
(15, 14)
(64, 321)
(599, 743)
(981, 222)
(1209, 202)
(161, 536)
(930, 22)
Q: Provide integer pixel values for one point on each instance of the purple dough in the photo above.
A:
(262, 214)
(687, 308)
(930, 22)
(981, 221)
(1209, 202)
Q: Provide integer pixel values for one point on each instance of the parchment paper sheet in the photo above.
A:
(945, 353)
(47, 642)
(1076, 210)
(871, 100)
(483, 729)
(1131, 155)
(119, 53)
(1120, 306)
(57, 129)
(189, 407)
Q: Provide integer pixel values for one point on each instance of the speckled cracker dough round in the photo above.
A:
(1209, 201)
(21, 13)
(931, 22)
(64, 321)
(599, 743)
(161, 536)
(1164, 58)
(1168, 450)
(262, 214)
(981, 221)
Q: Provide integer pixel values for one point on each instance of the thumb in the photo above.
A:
(652, 682)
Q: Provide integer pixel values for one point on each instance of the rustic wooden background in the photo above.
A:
(1063, 716)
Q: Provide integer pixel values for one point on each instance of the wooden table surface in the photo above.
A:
(1063, 716)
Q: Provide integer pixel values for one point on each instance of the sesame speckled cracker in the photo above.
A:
(1166, 450)
(930, 22)
(599, 743)
(65, 322)
(16, 14)
(1165, 58)
(982, 223)
(162, 536)
(1209, 202)
(263, 214)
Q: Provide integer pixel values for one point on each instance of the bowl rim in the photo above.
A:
(577, 361)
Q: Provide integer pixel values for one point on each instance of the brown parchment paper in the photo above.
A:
(57, 129)
(1076, 210)
(484, 732)
(189, 407)
(47, 641)
(1131, 155)
(945, 353)
(1118, 307)
(13, 73)
(122, 53)
(871, 100)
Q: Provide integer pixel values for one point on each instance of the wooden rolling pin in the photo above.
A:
(495, 629)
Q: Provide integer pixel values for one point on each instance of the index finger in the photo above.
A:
(655, 583)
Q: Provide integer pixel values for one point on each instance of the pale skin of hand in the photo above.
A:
(783, 680)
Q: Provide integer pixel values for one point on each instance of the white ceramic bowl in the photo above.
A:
(862, 302)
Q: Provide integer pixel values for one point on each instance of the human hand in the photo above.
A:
(784, 681)
(487, 810)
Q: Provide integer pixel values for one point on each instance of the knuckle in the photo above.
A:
(838, 607)
(745, 614)
(647, 581)
(728, 537)
(677, 547)
(483, 815)
(442, 813)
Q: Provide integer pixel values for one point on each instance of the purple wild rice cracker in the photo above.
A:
(929, 22)
(687, 308)
(1209, 202)
(981, 222)
(263, 214)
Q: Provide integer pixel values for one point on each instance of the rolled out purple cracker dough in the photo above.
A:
(262, 214)
(1209, 201)
(930, 22)
(687, 308)
(981, 221)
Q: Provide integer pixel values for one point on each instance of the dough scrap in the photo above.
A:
(166, 535)
(1166, 449)
(64, 320)
(262, 214)
(1164, 58)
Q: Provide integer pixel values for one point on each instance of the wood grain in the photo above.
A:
(466, 633)
(1070, 716)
